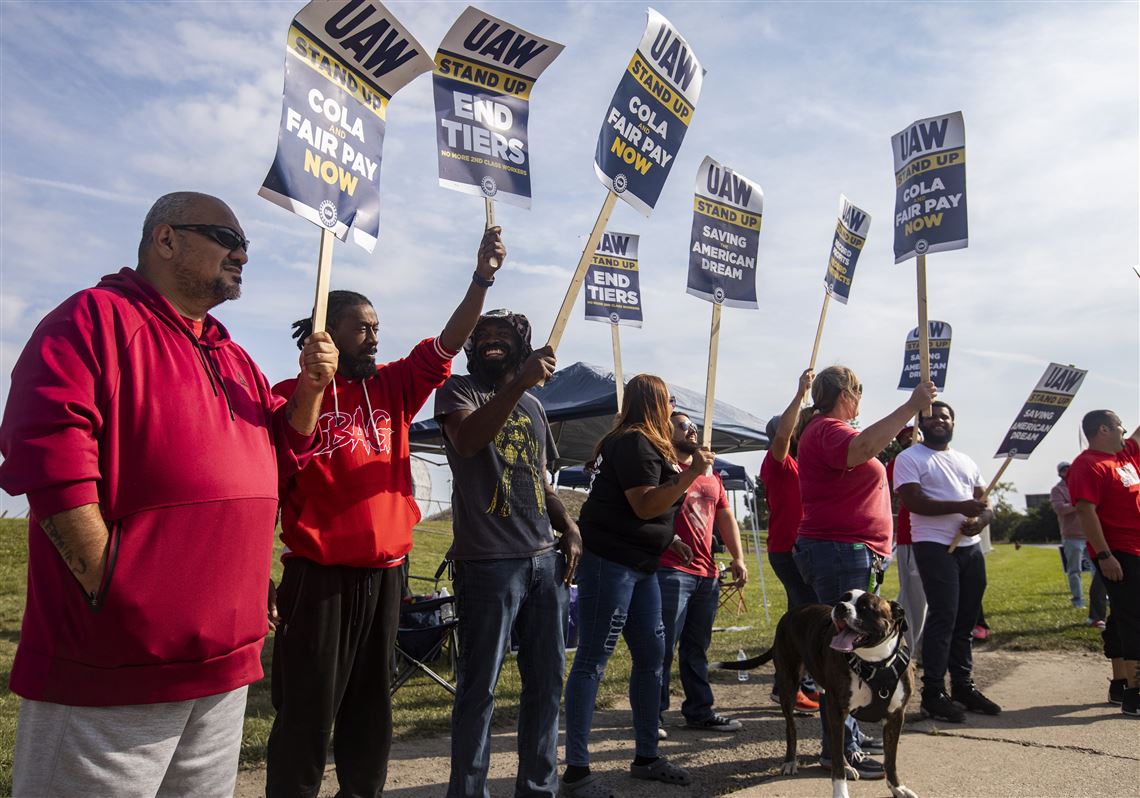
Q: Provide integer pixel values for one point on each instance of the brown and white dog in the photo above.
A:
(856, 652)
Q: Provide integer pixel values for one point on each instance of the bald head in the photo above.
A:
(192, 251)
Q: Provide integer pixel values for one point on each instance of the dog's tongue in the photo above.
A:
(844, 640)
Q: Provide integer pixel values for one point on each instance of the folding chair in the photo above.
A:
(426, 634)
(731, 596)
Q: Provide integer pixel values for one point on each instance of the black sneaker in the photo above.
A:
(966, 694)
(718, 723)
(1116, 691)
(1131, 703)
(937, 705)
(872, 745)
(865, 768)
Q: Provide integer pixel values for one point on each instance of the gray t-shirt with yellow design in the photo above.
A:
(498, 500)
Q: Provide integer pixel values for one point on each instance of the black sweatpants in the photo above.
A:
(954, 584)
(331, 672)
(1122, 629)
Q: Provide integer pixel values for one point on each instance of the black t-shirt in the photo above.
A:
(610, 528)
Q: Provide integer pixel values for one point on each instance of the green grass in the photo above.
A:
(1027, 606)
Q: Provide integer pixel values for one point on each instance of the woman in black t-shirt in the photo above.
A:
(626, 525)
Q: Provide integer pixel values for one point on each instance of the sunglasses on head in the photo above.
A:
(226, 236)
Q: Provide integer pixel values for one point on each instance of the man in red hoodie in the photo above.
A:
(346, 521)
(149, 446)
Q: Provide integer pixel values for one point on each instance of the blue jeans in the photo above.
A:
(1074, 564)
(688, 609)
(796, 589)
(832, 568)
(614, 601)
(492, 596)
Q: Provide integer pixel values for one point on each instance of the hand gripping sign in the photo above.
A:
(939, 339)
(613, 294)
(847, 244)
(643, 129)
(725, 241)
(344, 59)
(649, 115)
(1040, 413)
(485, 70)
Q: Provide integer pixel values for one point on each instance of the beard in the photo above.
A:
(686, 446)
(358, 367)
(495, 370)
(937, 436)
(214, 292)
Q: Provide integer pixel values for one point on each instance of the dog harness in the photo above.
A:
(882, 677)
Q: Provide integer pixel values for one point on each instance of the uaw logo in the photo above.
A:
(487, 184)
(621, 183)
(921, 246)
(614, 318)
(718, 295)
(327, 211)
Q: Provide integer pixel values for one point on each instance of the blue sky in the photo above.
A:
(106, 106)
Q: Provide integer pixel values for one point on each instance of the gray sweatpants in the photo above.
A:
(182, 748)
(912, 597)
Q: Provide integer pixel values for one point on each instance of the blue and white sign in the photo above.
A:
(727, 210)
(613, 293)
(850, 236)
(1052, 394)
(484, 72)
(649, 115)
(344, 59)
(930, 186)
(938, 339)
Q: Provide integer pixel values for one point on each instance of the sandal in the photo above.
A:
(586, 787)
(661, 770)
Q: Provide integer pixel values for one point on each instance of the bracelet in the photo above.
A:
(482, 282)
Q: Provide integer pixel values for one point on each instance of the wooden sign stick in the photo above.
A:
(619, 381)
(489, 207)
(579, 277)
(985, 495)
(923, 325)
(819, 330)
(710, 382)
(324, 274)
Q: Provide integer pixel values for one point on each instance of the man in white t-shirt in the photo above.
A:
(942, 488)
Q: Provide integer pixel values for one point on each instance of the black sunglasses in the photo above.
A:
(226, 236)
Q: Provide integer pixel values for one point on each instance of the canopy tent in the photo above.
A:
(734, 476)
(581, 402)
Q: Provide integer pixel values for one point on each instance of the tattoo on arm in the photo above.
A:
(76, 563)
(291, 407)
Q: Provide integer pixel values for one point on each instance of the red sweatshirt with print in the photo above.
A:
(353, 503)
(178, 439)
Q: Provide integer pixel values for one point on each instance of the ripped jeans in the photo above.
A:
(615, 600)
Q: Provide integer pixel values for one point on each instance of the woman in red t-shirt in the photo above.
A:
(846, 523)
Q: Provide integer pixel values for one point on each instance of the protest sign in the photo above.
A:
(725, 240)
(846, 246)
(1052, 394)
(485, 70)
(850, 236)
(930, 186)
(343, 61)
(649, 115)
(939, 349)
(613, 295)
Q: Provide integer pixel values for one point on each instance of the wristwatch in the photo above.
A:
(481, 281)
(1103, 555)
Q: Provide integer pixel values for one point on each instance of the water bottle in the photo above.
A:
(447, 611)
(741, 676)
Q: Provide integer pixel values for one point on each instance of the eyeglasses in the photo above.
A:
(226, 236)
(687, 426)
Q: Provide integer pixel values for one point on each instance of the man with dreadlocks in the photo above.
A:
(511, 571)
(346, 521)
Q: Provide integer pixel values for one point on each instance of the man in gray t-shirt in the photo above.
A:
(511, 572)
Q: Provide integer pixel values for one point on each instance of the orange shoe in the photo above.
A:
(805, 704)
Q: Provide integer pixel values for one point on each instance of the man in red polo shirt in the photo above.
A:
(1104, 482)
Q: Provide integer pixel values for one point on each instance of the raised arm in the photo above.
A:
(491, 255)
(782, 443)
(318, 363)
(649, 502)
(875, 438)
